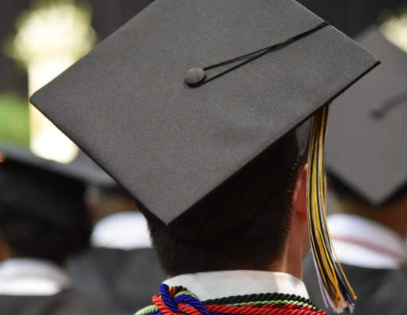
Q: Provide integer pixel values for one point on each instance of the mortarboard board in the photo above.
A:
(367, 149)
(42, 188)
(186, 100)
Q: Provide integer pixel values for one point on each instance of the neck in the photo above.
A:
(291, 260)
(296, 246)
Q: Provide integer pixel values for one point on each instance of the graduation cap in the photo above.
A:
(367, 150)
(183, 104)
(43, 188)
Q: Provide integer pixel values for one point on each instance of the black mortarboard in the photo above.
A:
(367, 146)
(127, 105)
(41, 188)
(183, 104)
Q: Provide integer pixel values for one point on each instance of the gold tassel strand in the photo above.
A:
(335, 287)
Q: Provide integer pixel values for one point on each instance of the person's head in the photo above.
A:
(262, 240)
(392, 212)
(42, 215)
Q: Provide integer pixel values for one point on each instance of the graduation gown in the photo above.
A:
(66, 302)
(379, 291)
(124, 280)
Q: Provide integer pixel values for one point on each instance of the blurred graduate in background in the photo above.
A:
(43, 220)
(47, 210)
(121, 268)
(367, 168)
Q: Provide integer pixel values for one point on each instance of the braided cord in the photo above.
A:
(258, 297)
(178, 300)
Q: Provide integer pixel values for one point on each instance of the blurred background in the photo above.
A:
(39, 39)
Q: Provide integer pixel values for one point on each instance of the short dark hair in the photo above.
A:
(345, 192)
(257, 243)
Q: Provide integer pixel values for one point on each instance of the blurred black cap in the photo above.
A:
(367, 130)
(31, 185)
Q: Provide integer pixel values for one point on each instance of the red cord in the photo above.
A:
(257, 308)
(287, 309)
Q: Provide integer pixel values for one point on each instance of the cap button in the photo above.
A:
(195, 76)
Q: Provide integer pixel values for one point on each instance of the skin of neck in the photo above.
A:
(5, 252)
(297, 244)
(393, 216)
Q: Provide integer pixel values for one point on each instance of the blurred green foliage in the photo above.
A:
(14, 119)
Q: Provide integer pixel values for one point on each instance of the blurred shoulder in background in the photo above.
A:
(120, 268)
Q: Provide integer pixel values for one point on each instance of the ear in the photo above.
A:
(300, 195)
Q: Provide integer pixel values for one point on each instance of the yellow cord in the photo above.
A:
(336, 288)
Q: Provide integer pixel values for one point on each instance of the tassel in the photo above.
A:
(335, 287)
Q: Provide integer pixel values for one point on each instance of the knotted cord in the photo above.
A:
(178, 300)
